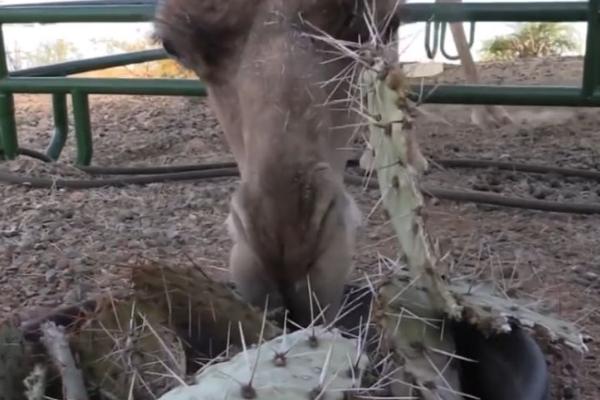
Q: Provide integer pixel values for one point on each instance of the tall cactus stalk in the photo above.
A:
(399, 163)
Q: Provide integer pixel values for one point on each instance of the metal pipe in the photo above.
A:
(9, 142)
(156, 87)
(92, 64)
(591, 63)
(83, 127)
(549, 96)
(94, 13)
(82, 3)
(549, 11)
(568, 96)
(61, 126)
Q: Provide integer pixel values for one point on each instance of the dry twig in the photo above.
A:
(57, 345)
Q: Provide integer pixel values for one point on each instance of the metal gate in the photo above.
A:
(54, 80)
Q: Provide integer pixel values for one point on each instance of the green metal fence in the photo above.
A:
(53, 79)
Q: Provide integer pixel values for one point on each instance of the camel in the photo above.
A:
(274, 92)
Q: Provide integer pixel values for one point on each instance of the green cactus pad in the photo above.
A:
(296, 366)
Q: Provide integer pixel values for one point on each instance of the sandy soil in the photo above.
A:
(60, 246)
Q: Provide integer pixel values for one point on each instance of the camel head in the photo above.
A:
(279, 94)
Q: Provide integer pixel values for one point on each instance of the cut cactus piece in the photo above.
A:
(422, 349)
(399, 162)
(125, 348)
(306, 364)
(492, 314)
(203, 311)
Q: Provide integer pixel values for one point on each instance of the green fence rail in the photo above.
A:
(52, 79)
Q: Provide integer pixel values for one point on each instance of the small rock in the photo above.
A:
(73, 254)
(373, 236)
(540, 193)
(568, 393)
(592, 276)
(51, 275)
(125, 215)
(481, 187)
(576, 268)
(62, 264)
(40, 246)
(77, 196)
(493, 180)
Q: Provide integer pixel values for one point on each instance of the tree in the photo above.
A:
(52, 52)
(534, 39)
(155, 69)
(15, 59)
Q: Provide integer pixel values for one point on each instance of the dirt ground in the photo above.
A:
(60, 246)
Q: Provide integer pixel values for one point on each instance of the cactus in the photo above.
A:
(411, 319)
(492, 314)
(203, 311)
(413, 306)
(312, 363)
(14, 363)
(422, 350)
(125, 349)
(398, 162)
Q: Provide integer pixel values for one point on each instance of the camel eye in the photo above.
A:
(169, 49)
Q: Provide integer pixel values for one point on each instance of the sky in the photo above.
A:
(27, 38)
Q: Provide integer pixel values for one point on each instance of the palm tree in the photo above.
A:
(534, 39)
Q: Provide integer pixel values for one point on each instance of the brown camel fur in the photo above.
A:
(273, 90)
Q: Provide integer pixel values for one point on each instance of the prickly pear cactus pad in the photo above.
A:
(491, 313)
(398, 163)
(125, 350)
(199, 308)
(421, 349)
(306, 364)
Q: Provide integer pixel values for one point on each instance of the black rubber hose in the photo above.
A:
(49, 183)
(155, 170)
(220, 170)
(521, 167)
(446, 163)
(492, 199)
(444, 194)
(29, 153)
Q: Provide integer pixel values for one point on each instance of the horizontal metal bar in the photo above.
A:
(560, 96)
(157, 87)
(548, 11)
(95, 13)
(82, 3)
(567, 96)
(92, 64)
(486, 12)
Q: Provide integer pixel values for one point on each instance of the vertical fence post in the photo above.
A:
(8, 126)
(591, 65)
(61, 126)
(83, 128)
